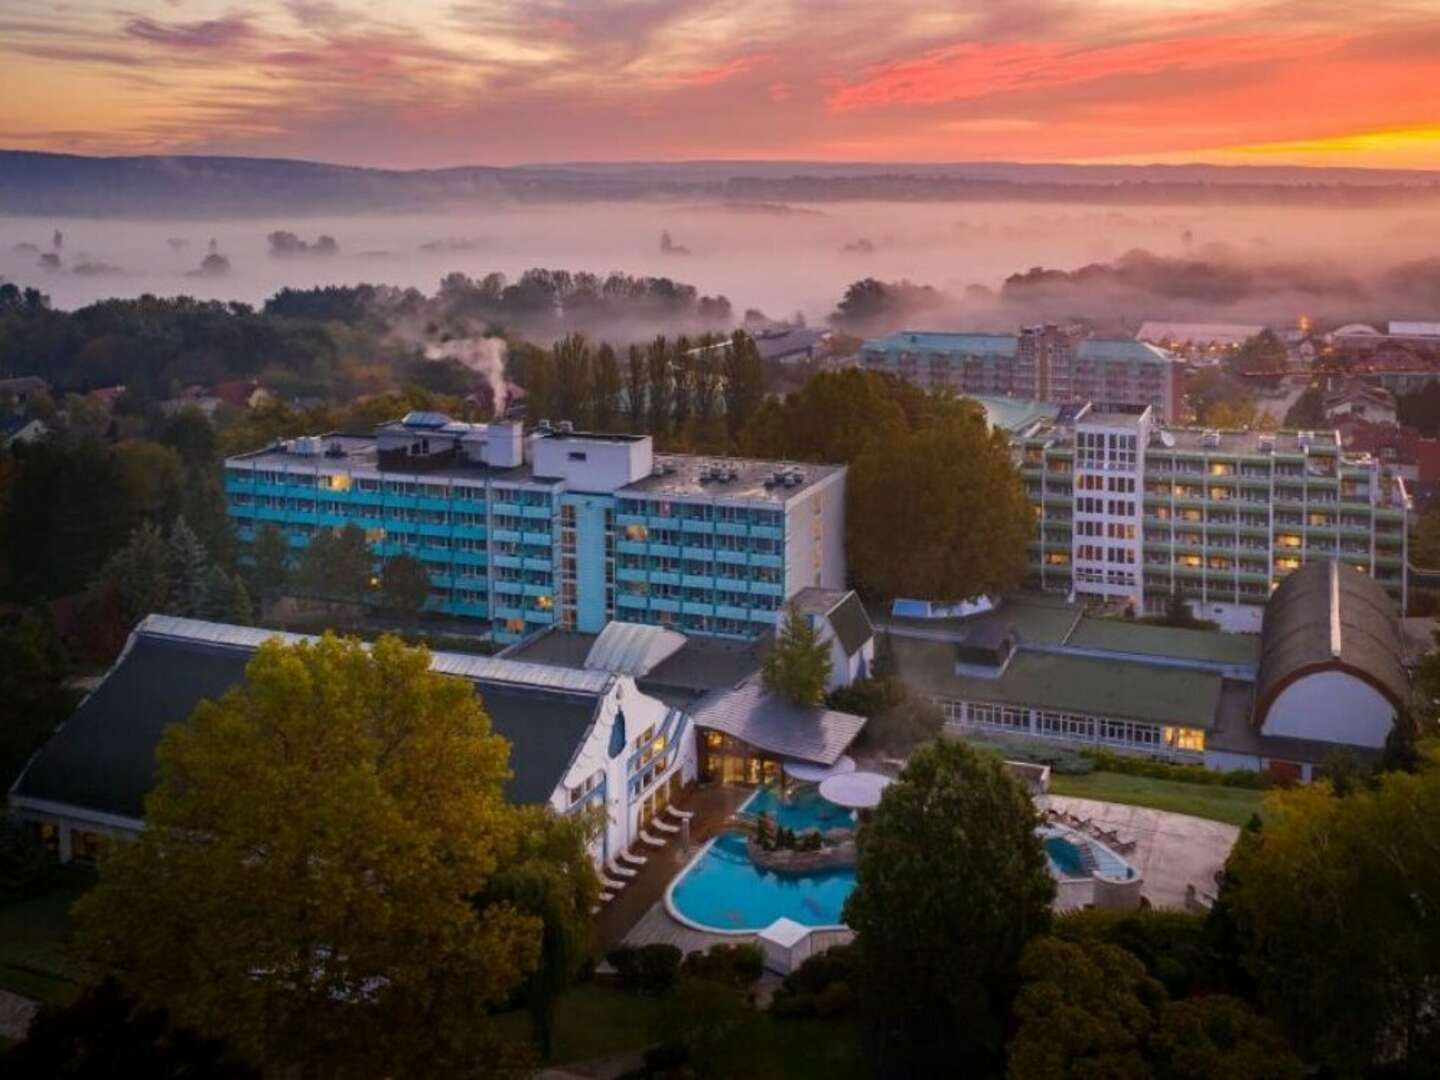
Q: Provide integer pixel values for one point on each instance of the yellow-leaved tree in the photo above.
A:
(306, 883)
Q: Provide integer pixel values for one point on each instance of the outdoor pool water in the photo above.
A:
(722, 890)
(1064, 854)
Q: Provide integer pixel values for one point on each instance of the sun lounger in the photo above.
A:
(597, 909)
(664, 826)
(632, 858)
(606, 897)
(678, 814)
(652, 841)
(620, 871)
(611, 885)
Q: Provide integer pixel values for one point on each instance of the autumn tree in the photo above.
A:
(659, 387)
(636, 383)
(1335, 908)
(938, 512)
(608, 388)
(744, 382)
(798, 666)
(303, 887)
(951, 885)
(272, 560)
(405, 584)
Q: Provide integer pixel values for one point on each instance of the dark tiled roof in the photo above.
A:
(103, 757)
(770, 722)
(1304, 616)
(844, 611)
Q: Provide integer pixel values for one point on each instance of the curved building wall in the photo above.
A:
(1331, 706)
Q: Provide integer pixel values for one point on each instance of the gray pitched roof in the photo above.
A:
(103, 756)
(769, 722)
(842, 609)
(1328, 616)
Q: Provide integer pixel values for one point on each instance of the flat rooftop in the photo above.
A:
(1125, 636)
(1035, 617)
(1006, 345)
(688, 475)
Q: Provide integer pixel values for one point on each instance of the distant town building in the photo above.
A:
(1042, 363)
(20, 389)
(20, 428)
(1362, 401)
(561, 527)
(1197, 335)
(1131, 512)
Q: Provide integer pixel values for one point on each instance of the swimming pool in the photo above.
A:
(805, 809)
(1063, 849)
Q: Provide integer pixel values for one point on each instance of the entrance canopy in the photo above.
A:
(807, 772)
(856, 790)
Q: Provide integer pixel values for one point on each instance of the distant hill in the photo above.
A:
(192, 186)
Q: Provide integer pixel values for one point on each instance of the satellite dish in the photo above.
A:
(1167, 440)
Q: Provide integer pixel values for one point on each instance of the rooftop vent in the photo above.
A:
(1267, 442)
(669, 467)
(335, 449)
(542, 424)
(565, 427)
(1210, 438)
(1305, 437)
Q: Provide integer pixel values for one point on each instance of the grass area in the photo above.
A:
(1231, 805)
(35, 936)
(597, 1021)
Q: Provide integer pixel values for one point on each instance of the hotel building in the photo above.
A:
(562, 528)
(1041, 363)
(1132, 512)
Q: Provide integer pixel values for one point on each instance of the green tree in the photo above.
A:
(303, 885)
(659, 387)
(405, 584)
(1219, 1035)
(189, 570)
(971, 538)
(608, 388)
(140, 574)
(33, 698)
(553, 879)
(951, 884)
(272, 560)
(636, 382)
(1308, 412)
(744, 383)
(154, 480)
(337, 565)
(1335, 905)
(798, 667)
(1263, 352)
(1085, 1009)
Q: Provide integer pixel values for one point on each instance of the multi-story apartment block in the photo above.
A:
(1127, 510)
(561, 528)
(1042, 363)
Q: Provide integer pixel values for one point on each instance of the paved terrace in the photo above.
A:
(1171, 852)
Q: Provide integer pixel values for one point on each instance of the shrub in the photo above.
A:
(648, 969)
(1062, 761)
(1171, 944)
(1164, 770)
(733, 965)
(803, 989)
(25, 865)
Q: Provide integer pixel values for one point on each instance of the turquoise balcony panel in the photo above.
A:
(767, 532)
(697, 581)
(471, 608)
(538, 564)
(775, 562)
(690, 525)
(664, 577)
(623, 520)
(767, 588)
(732, 528)
(690, 607)
(663, 603)
(511, 561)
(667, 551)
(629, 573)
(634, 603)
(540, 618)
(470, 558)
(430, 529)
(729, 584)
(630, 547)
(725, 611)
(428, 502)
(539, 513)
(538, 590)
(543, 539)
(767, 617)
(470, 532)
(703, 554)
(509, 536)
(732, 558)
(509, 588)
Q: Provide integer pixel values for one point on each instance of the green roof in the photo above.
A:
(1125, 636)
(1036, 617)
(1121, 689)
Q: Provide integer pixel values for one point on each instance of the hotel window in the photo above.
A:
(1287, 540)
(1179, 738)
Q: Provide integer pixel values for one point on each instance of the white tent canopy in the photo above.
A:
(856, 790)
(809, 772)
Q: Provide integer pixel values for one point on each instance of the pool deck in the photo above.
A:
(713, 806)
(1171, 850)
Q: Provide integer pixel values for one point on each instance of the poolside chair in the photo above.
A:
(633, 859)
(652, 841)
(678, 814)
(606, 897)
(665, 826)
(620, 871)
(611, 885)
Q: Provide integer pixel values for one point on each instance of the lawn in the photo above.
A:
(598, 1021)
(1232, 805)
(35, 937)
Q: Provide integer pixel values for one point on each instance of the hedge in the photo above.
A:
(1107, 761)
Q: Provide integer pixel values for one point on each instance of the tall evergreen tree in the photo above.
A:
(189, 570)
(798, 667)
(659, 388)
(744, 382)
(272, 560)
(140, 573)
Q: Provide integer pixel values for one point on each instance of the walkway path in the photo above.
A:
(16, 1012)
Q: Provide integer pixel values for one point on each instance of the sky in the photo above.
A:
(433, 83)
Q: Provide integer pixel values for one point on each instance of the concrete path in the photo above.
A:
(1171, 850)
(16, 1012)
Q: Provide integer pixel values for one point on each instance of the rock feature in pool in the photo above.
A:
(838, 850)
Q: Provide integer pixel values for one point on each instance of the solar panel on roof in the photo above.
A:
(419, 419)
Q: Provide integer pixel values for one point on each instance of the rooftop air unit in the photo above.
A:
(1267, 443)
(1210, 439)
(335, 449)
(565, 427)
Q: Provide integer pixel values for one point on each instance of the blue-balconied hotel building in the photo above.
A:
(562, 528)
